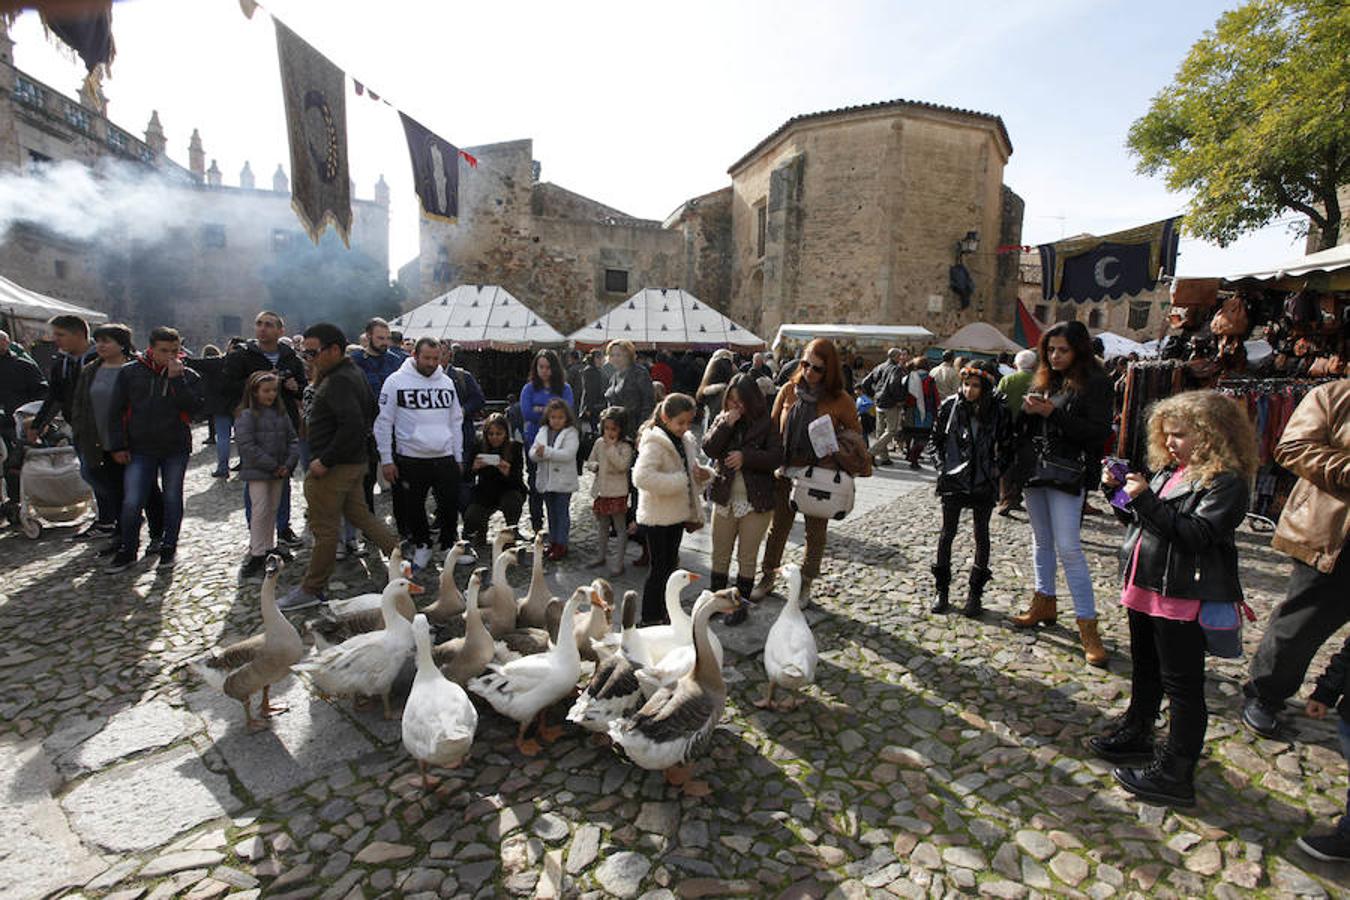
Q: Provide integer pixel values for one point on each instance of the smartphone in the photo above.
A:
(1119, 468)
(490, 459)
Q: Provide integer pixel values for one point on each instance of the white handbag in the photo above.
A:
(820, 492)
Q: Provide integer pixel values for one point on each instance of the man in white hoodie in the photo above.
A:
(420, 432)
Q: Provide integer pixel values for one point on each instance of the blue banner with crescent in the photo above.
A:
(316, 124)
(435, 166)
(1091, 267)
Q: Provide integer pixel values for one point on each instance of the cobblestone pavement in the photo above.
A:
(934, 756)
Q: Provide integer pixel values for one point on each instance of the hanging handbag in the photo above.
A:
(820, 492)
(1062, 473)
(1221, 622)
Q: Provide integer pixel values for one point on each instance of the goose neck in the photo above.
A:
(706, 670)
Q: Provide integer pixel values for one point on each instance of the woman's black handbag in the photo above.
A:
(1049, 470)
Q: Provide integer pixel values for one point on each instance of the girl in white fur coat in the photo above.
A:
(669, 481)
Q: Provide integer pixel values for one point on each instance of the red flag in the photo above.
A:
(1026, 330)
(470, 159)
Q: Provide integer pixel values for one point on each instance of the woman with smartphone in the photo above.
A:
(1066, 419)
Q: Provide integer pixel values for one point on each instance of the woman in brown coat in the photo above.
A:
(744, 443)
(815, 389)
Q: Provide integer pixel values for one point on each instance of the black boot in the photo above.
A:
(717, 581)
(1169, 780)
(979, 577)
(942, 575)
(1127, 741)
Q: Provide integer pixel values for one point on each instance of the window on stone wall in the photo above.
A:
(1138, 317)
(1065, 313)
(616, 281)
(213, 235)
(59, 268)
(761, 228)
(231, 326)
(1040, 312)
(1095, 319)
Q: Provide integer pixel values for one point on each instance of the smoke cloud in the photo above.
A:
(76, 201)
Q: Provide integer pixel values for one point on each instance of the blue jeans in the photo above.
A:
(107, 502)
(1056, 523)
(1343, 727)
(138, 482)
(559, 508)
(224, 426)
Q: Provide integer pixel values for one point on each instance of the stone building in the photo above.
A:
(204, 271)
(850, 215)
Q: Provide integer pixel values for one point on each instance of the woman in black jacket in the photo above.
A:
(973, 438)
(1178, 552)
(1061, 435)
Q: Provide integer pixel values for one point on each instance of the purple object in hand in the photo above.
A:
(1119, 468)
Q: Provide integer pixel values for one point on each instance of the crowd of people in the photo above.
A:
(667, 437)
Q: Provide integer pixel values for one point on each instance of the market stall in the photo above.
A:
(24, 313)
(666, 319)
(977, 339)
(497, 332)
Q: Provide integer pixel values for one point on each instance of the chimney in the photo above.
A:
(382, 191)
(246, 180)
(213, 175)
(154, 134)
(280, 183)
(196, 156)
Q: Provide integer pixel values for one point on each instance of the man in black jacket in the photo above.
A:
(340, 419)
(150, 432)
(886, 386)
(71, 336)
(21, 382)
(265, 353)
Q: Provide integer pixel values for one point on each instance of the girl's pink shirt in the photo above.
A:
(1153, 603)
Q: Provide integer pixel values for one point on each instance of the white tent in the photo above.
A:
(981, 337)
(478, 317)
(860, 336)
(669, 318)
(26, 312)
(1119, 345)
(1333, 264)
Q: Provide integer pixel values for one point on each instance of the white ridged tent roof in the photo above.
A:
(478, 317)
(666, 317)
(28, 311)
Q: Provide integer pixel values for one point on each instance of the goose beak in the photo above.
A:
(694, 576)
(414, 588)
(599, 600)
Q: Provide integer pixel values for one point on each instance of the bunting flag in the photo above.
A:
(248, 8)
(435, 165)
(1026, 330)
(469, 158)
(87, 32)
(316, 124)
(1114, 265)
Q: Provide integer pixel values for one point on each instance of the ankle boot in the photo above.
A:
(1042, 609)
(717, 581)
(1128, 740)
(1093, 650)
(745, 585)
(763, 587)
(743, 588)
(942, 578)
(979, 577)
(1168, 780)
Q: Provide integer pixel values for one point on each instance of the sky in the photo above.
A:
(642, 105)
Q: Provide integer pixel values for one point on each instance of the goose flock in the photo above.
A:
(655, 692)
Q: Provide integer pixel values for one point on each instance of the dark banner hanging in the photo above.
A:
(435, 166)
(87, 31)
(316, 123)
(1113, 265)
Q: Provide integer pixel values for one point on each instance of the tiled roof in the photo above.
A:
(884, 104)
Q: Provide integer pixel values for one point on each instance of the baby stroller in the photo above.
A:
(51, 491)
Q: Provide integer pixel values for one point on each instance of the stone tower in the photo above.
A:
(280, 183)
(246, 179)
(196, 156)
(154, 134)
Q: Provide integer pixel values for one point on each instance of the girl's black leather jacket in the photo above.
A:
(1186, 546)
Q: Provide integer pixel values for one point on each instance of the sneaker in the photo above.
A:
(220, 473)
(153, 548)
(235, 467)
(124, 560)
(1334, 847)
(421, 556)
(355, 548)
(340, 553)
(167, 558)
(468, 559)
(1262, 717)
(109, 549)
(288, 537)
(100, 529)
(252, 566)
(299, 598)
(282, 551)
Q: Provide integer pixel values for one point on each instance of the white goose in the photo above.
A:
(439, 720)
(523, 689)
(340, 607)
(790, 649)
(613, 691)
(592, 627)
(241, 669)
(367, 664)
(676, 724)
(671, 647)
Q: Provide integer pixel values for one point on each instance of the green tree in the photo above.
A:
(329, 283)
(1257, 120)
